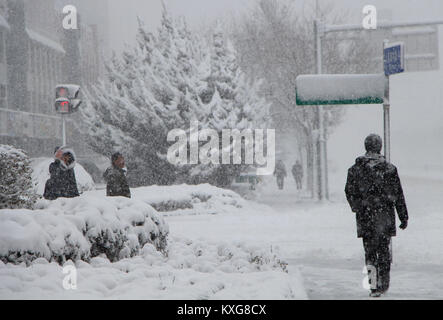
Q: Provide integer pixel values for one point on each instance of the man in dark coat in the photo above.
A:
(280, 173)
(115, 177)
(374, 192)
(62, 182)
(297, 172)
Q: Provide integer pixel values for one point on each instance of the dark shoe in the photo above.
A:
(375, 294)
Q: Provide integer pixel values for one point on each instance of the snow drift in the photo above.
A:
(193, 269)
(190, 200)
(79, 229)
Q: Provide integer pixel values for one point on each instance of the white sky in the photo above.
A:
(123, 13)
(417, 98)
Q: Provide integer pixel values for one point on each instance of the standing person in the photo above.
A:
(297, 172)
(115, 177)
(62, 182)
(280, 173)
(374, 192)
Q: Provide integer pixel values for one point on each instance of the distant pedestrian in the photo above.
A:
(115, 177)
(62, 182)
(297, 172)
(374, 192)
(280, 173)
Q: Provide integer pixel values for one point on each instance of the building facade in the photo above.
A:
(36, 54)
(4, 31)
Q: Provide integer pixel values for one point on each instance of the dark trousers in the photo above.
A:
(378, 256)
(299, 183)
(280, 182)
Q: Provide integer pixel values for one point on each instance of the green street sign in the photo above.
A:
(340, 89)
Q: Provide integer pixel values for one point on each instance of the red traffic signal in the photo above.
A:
(62, 105)
(66, 98)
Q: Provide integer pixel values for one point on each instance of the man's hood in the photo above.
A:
(371, 160)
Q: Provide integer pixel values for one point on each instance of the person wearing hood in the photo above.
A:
(115, 177)
(374, 193)
(62, 182)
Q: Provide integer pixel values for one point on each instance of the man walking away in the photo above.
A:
(374, 192)
(297, 172)
(115, 177)
(280, 173)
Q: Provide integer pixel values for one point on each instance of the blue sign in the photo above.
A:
(394, 59)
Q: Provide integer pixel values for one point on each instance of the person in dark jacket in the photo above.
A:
(280, 173)
(297, 172)
(374, 192)
(115, 177)
(62, 182)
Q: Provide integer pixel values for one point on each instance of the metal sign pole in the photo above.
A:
(321, 167)
(387, 130)
(386, 114)
(64, 129)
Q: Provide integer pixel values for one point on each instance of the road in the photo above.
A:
(331, 257)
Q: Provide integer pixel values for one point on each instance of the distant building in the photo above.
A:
(36, 54)
(4, 30)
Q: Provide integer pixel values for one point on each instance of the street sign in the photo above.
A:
(340, 89)
(394, 59)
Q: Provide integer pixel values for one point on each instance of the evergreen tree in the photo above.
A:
(16, 187)
(167, 81)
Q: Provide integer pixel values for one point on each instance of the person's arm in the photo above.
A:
(352, 193)
(54, 168)
(400, 202)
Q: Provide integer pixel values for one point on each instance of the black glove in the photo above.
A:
(404, 225)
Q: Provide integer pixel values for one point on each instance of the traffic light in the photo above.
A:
(66, 98)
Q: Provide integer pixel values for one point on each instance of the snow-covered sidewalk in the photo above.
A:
(323, 242)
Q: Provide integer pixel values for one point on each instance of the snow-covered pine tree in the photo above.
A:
(231, 102)
(16, 188)
(148, 92)
(167, 81)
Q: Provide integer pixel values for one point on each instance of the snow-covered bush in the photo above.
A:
(16, 189)
(40, 174)
(79, 229)
(168, 80)
(190, 199)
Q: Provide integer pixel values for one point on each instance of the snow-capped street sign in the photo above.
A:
(394, 58)
(340, 89)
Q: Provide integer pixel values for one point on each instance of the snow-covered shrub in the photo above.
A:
(80, 229)
(190, 199)
(40, 175)
(16, 189)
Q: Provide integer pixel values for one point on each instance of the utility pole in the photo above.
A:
(321, 145)
(386, 114)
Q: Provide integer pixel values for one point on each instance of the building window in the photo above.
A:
(2, 96)
(2, 47)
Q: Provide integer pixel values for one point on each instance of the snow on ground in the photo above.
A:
(40, 175)
(193, 270)
(317, 240)
(321, 240)
(221, 267)
(191, 200)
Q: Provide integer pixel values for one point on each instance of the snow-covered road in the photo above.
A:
(320, 239)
